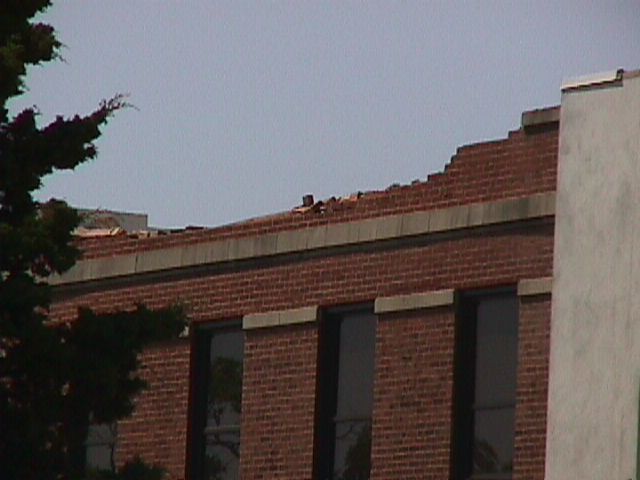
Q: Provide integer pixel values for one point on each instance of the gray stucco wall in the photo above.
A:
(595, 334)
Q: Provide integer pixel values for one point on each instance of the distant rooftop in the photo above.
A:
(97, 223)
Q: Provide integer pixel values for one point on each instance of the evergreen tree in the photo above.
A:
(54, 378)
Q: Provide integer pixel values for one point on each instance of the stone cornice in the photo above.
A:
(328, 236)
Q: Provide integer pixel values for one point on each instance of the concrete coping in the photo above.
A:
(535, 286)
(326, 236)
(593, 80)
(280, 318)
(541, 116)
(414, 301)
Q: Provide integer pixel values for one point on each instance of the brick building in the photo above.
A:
(397, 334)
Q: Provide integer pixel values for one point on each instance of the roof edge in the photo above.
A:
(540, 117)
(327, 236)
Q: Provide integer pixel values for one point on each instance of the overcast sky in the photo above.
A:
(243, 107)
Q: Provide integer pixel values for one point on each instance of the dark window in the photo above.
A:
(486, 366)
(346, 366)
(216, 427)
(100, 447)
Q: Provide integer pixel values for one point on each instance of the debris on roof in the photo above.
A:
(108, 219)
(84, 232)
(98, 223)
(332, 204)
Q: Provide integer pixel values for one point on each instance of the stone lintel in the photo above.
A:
(280, 318)
(414, 301)
(535, 286)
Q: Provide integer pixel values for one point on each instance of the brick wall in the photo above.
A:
(413, 395)
(485, 259)
(158, 430)
(533, 374)
(278, 404)
(467, 262)
(280, 363)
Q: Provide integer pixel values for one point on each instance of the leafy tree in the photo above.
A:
(54, 377)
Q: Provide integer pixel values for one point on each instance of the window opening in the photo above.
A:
(218, 409)
(100, 447)
(486, 369)
(347, 355)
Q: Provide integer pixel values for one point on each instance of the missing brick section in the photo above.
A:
(540, 120)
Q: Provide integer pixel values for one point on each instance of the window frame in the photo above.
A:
(328, 374)
(201, 367)
(465, 406)
(97, 440)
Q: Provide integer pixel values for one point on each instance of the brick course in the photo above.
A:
(466, 262)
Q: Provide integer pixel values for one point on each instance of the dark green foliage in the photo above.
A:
(22, 43)
(105, 388)
(54, 378)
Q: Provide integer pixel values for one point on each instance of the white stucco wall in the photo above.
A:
(595, 334)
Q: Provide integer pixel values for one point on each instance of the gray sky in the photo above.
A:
(243, 107)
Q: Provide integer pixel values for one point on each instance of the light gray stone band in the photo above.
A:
(415, 301)
(280, 318)
(541, 116)
(535, 286)
(336, 235)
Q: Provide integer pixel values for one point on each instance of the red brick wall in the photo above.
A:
(468, 262)
(533, 374)
(278, 403)
(158, 430)
(413, 395)
(280, 363)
